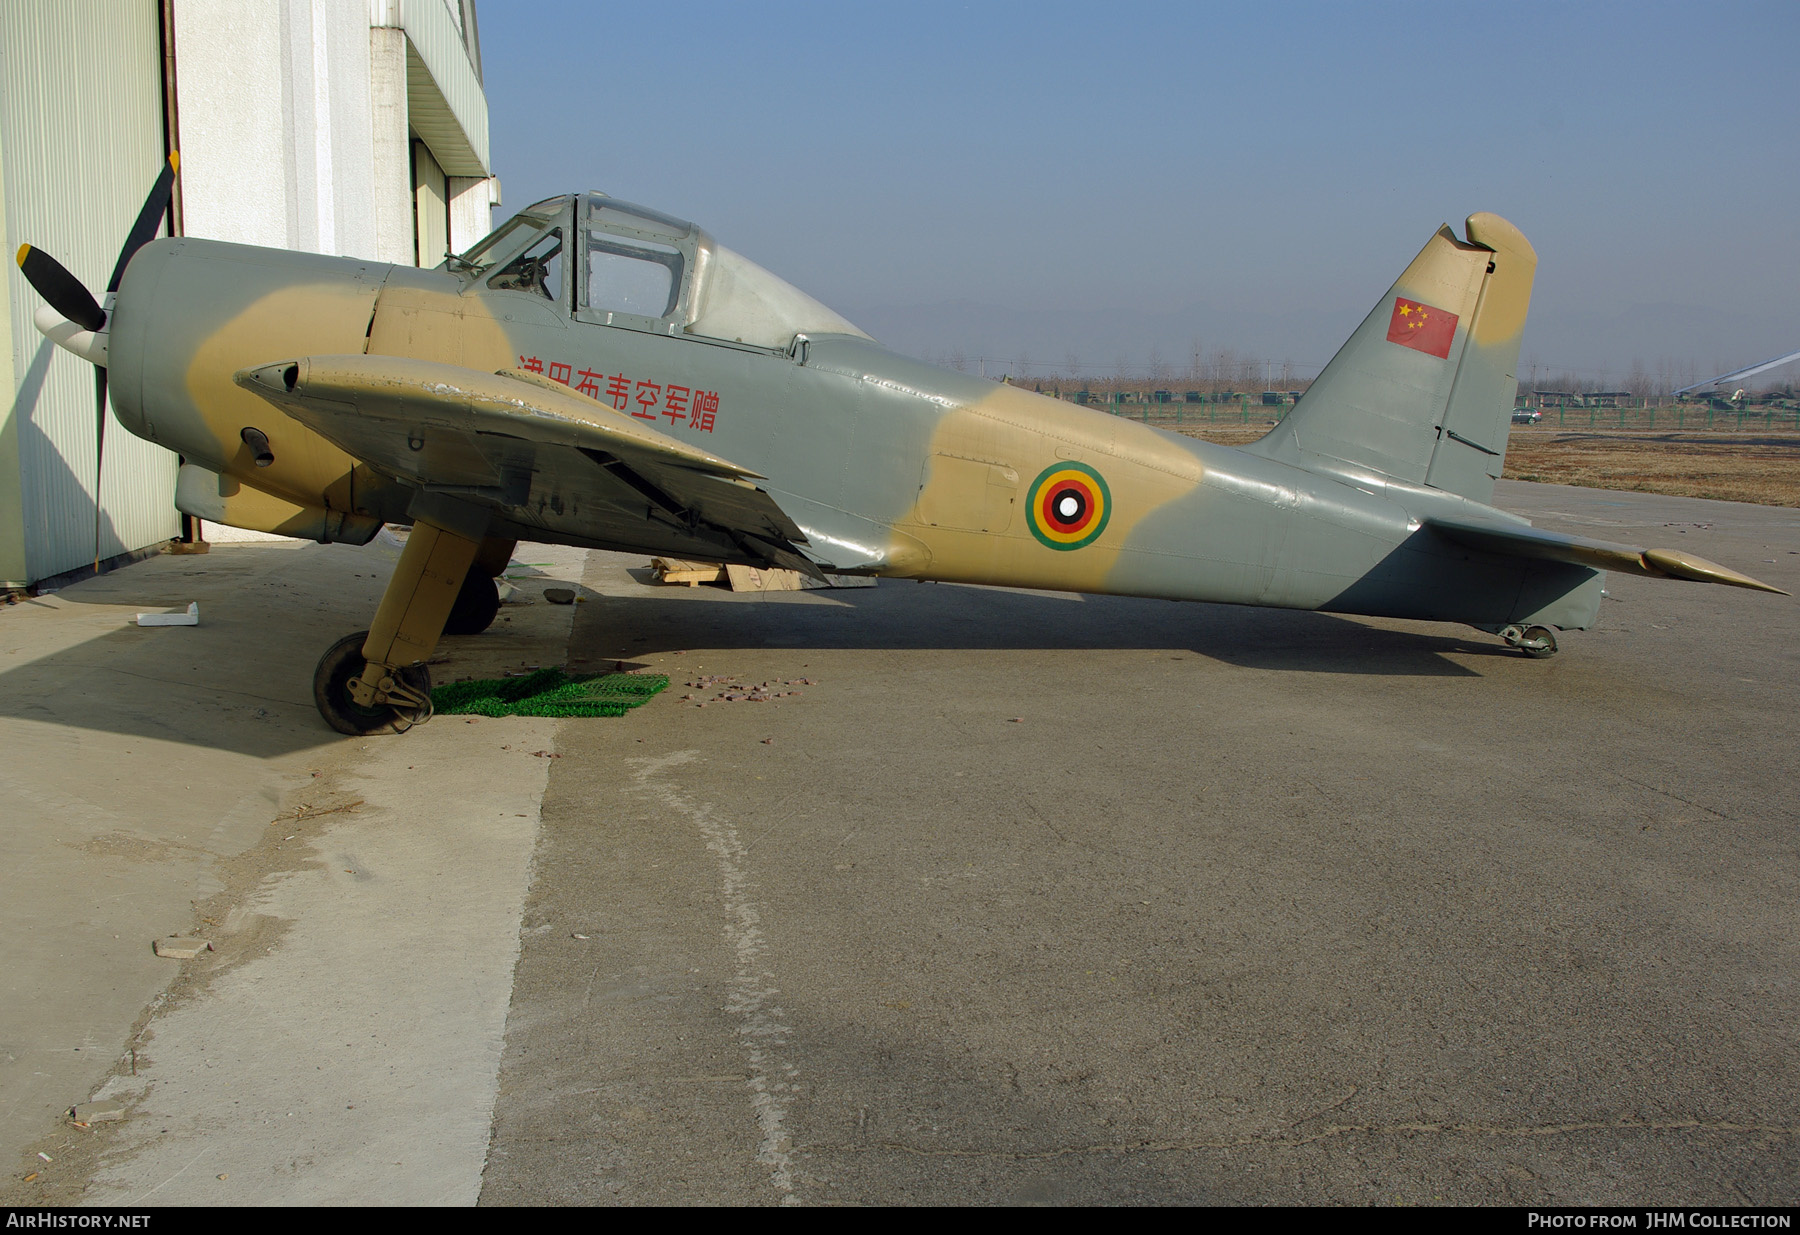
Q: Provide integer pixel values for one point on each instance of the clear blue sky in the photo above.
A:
(1112, 178)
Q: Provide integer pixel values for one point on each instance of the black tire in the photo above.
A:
(476, 605)
(342, 662)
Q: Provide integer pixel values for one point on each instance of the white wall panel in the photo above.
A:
(277, 124)
(234, 145)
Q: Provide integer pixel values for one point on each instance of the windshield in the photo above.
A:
(499, 243)
(538, 269)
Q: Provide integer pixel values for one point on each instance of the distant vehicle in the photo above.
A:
(1527, 416)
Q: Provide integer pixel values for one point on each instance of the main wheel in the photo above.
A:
(475, 607)
(342, 663)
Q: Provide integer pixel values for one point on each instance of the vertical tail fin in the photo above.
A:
(1423, 391)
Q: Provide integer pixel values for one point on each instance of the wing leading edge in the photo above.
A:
(525, 446)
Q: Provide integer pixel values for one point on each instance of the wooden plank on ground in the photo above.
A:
(674, 570)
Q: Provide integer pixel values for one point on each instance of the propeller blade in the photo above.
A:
(149, 220)
(61, 290)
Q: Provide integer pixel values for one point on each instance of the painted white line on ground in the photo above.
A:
(762, 1023)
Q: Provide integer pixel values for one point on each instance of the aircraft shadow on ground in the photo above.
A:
(929, 617)
(262, 709)
(207, 695)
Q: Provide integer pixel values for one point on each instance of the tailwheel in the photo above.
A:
(476, 604)
(407, 704)
(1538, 642)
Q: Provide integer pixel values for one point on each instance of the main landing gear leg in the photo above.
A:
(378, 680)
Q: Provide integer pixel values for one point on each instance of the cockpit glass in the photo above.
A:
(635, 259)
(612, 215)
(538, 269)
(632, 276)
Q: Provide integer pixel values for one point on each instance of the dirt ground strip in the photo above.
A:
(1750, 466)
(1759, 467)
(178, 782)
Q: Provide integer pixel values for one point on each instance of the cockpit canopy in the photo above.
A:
(643, 270)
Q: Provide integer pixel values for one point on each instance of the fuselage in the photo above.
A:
(888, 465)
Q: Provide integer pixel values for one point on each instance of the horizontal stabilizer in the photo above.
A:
(1523, 540)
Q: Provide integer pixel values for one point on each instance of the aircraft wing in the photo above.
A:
(1736, 374)
(1523, 540)
(492, 438)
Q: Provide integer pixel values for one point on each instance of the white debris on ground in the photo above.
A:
(186, 617)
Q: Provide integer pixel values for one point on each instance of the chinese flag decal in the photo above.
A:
(1422, 328)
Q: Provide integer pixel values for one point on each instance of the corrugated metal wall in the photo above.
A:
(448, 104)
(81, 140)
(431, 208)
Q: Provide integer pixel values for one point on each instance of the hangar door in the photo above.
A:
(81, 139)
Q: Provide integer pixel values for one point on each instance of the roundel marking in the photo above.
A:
(1068, 506)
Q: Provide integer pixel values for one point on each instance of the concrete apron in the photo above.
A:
(341, 1041)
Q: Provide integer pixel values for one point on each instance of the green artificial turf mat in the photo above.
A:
(549, 692)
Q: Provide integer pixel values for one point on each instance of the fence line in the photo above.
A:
(1194, 408)
(1678, 417)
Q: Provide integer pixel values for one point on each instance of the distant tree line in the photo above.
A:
(1227, 370)
(1216, 371)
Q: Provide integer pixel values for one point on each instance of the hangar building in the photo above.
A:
(352, 127)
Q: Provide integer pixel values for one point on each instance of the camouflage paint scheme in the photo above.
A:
(391, 394)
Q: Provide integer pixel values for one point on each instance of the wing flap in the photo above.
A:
(1523, 540)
